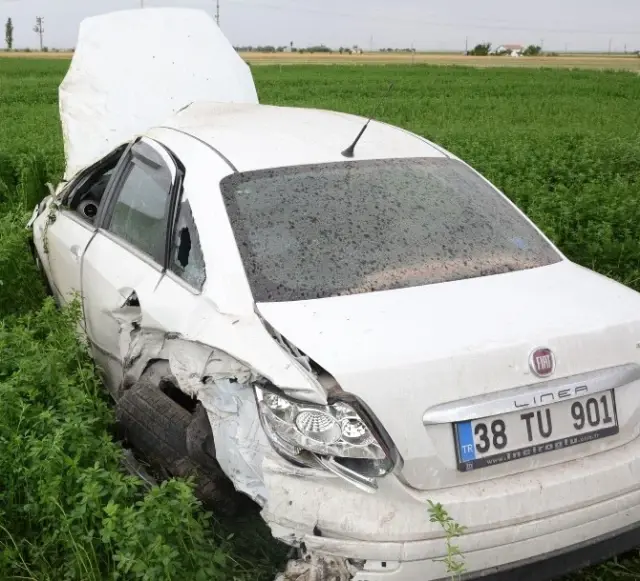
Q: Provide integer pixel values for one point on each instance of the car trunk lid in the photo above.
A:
(404, 352)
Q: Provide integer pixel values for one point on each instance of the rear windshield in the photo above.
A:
(317, 231)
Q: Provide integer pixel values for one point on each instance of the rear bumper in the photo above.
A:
(547, 567)
(521, 549)
(542, 558)
(562, 562)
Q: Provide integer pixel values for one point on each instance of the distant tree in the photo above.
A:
(481, 49)
(318, 48)
(532, 50)
(8, 34)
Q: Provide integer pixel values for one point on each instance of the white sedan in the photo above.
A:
(341, 335)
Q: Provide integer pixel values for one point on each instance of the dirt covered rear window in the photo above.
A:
(324, 230)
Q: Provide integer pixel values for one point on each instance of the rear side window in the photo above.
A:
(353, 227)
(142, 206)
(187, 260)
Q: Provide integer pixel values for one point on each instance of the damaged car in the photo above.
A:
(340, 335)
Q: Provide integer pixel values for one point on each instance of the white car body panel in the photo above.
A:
(392, 526)
(397, 349)
(228, 320)
(111, 272)
(256, 137)
(417, 357)
(206, 169)
(67, 238)
(166, 58)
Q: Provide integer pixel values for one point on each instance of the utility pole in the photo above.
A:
(610, 40)
(466, 45)
(141, 3)
(218, 13)
(39, 29)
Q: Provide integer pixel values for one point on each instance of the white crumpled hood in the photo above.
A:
(133, 69)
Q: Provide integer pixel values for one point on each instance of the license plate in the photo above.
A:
(533, 431)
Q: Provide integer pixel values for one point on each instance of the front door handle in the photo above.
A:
(75, 251)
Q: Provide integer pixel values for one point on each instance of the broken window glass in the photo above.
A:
(142, 207)
(351, 227)
(187, 260)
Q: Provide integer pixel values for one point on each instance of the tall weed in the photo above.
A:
(66, 509)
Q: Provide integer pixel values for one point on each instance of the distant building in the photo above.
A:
(514, 50)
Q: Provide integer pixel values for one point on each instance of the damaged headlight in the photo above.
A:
(337, 431)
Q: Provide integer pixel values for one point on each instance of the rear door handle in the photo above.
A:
(75, 251)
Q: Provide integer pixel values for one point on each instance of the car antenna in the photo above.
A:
(349, 151)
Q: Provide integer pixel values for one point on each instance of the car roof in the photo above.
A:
(253, 137)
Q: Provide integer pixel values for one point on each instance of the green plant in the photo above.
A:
(532, 50)
(454, 559)
(20, 288)
(563, 145)
(482, 49)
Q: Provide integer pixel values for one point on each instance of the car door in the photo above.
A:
(125, 261)
(66, 234)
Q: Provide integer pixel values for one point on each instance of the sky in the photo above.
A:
(558, 25)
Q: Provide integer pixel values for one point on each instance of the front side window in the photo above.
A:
(85, 192)
(187, 260)
(333, 229)
(141, 211)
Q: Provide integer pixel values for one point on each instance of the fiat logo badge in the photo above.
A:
(542, 362)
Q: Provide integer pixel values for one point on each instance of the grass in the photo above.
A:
(564, 145)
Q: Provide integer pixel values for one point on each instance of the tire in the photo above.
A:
(154, 424)
(174, 439)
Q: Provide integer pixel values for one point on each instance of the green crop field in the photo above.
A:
(563, 144)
